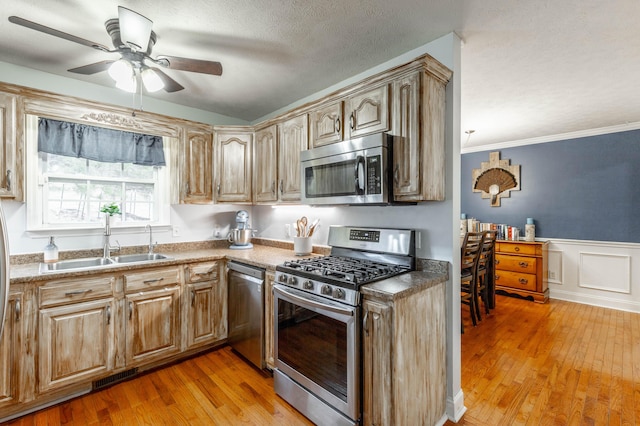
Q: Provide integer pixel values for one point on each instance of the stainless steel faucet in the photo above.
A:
(107, 248)
(151, 243)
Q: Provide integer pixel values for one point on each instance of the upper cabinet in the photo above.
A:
(233, 166)
(265, 165)
(364, 112)
(197, 186)
(11, 173)
(293, 137)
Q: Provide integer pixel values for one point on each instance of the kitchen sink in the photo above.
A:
(145, 257)
(99, 262)
(75, 264)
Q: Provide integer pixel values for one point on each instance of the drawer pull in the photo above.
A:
(523, 281)
(18, 310)
(497, 277)
(517, 248)
(365, 323)
(108, 314)
(497, 261)
(130, 310)
(524, 264)
(78, 292)
(193, 297)
(154, 280)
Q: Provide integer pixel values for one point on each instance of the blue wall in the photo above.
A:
(584, 189)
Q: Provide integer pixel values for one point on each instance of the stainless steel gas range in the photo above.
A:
(317, 320)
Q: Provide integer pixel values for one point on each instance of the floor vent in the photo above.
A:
(108, 381)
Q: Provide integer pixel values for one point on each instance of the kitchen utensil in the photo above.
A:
(312, 228)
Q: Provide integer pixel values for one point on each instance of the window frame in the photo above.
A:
(35, 191)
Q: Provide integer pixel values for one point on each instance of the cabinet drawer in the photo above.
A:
(516, 280)
(516, 263)
(517, 248)
(67, 291)
(199, 272)
(140, 281)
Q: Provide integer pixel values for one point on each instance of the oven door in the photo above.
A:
(317, 345)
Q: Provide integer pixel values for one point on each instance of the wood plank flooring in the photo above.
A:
(559, 363)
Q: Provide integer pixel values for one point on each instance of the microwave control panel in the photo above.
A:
(374, 174)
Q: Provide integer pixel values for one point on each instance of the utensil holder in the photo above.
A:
(302, 245)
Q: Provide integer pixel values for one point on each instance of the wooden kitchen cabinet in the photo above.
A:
(419, 142)
(404, 357)
(233, 166)
(265, 165)
(269, 344)
(197, 170)
(522, 269)
(326, 124)
(11, 169)
(11, 359)
(293, 137)
(204, 304)
(76, 331)
(152, 311)
(367, 112)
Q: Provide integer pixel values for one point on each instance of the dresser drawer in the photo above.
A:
(200, 272)
(516, 248)
(516, 280)
(75, 290)
(516, 263)
(141, 281)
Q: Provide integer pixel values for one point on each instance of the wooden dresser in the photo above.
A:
(521, 269)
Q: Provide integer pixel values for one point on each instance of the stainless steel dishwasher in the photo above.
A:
(246, 311)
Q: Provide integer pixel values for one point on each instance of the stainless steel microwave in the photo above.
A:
(350, 172)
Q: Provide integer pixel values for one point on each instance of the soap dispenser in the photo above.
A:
(51, 252)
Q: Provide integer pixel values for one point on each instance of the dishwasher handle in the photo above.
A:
(246, 269)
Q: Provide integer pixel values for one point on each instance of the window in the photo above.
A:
(68, 192)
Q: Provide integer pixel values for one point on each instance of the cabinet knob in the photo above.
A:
(497, 261)
(18, 310)
(337, 126)
(130, 310)
(517, 248)
(352, 120)
(365, 322)
(108, 310)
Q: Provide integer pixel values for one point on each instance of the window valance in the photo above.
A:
(98, 143)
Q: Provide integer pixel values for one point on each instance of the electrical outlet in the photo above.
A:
(419, 240)
(176, 231)
(552, 275)
(287, 230)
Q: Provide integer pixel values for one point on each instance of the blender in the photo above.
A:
(240, 236)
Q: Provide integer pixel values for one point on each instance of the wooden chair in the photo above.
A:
(471, 248)
(486, 272)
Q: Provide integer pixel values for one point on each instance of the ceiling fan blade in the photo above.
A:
(44, 29)
(193, 65)
(135, 29)
(170, 85)
(92, 68)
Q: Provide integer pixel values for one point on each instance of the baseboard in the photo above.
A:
(603, 302)
(455, 407)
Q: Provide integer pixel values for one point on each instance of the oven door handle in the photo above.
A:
(308, 302)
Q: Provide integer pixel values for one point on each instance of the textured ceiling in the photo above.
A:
(530, 68)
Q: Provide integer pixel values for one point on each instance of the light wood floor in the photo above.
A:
(559, 363)
(555, 364)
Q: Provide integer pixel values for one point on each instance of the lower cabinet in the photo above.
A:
(204, 304)
(404, 358)
(10, 352)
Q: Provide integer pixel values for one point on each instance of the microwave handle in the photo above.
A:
(359, 175)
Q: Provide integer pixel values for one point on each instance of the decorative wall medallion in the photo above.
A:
(117, 120)
(496, 179)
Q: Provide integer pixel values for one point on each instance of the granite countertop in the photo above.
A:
(404, 285)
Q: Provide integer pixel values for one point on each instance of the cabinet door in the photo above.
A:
(197, 170)
(368, 111)
(269, 353)
(10, 356)
(377, 371)
(293, 138)
(326, 124)
(233, 167)
(406, 143)
(207, 314)
(10, 177)
(265, 165)
(152, 325)
(76, 343)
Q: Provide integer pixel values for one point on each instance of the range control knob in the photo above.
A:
(283, 278)
(338, 293)
(326, 290)
(293, 281)
(307, 285)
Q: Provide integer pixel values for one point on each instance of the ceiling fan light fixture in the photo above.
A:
(128, 84)
(151, 80)
(121, 70)
(135, 29)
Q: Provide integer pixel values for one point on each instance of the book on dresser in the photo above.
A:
(522, 269)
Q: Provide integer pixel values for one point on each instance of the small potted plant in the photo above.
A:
(109, 210)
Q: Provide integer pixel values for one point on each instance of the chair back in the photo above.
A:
(487, 251)
(471, 248)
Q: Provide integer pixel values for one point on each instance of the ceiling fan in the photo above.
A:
(133, 39)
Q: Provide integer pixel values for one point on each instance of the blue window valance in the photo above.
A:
(98, 143)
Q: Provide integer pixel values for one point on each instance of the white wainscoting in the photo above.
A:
(597, 273)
